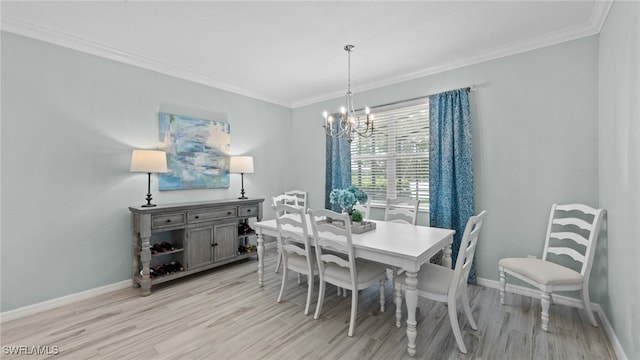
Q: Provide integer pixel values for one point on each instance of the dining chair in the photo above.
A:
(301, 195)
(347, 272)
(403, 210)
(365, 209)
(440, 283)
(572, 231)
(295, 247)
(287, 200)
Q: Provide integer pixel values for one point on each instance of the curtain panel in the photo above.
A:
(451, 194)
(337, 166)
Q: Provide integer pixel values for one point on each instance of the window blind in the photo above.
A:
(394, 161)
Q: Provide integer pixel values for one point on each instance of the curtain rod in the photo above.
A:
(468, 88)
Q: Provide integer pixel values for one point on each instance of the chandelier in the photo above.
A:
(348, 122)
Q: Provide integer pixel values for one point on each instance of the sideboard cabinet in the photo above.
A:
(176, 240)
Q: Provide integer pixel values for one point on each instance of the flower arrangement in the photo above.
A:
(347, 198)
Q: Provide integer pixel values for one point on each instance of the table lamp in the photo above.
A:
(149, 161)
(241, 165)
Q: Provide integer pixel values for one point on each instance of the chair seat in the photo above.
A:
(541, 271)
(368, 272)
(298, 263)
(435, 279)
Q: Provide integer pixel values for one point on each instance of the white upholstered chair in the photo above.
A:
(402, 210)
(295, 247)
(301, 195)
(572, 231)
(439, 283)
(348, 273)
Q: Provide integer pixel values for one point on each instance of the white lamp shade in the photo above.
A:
(241, 164)
(149, 161)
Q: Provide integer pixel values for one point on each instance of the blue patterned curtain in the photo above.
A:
(338, 166)
(451, 196)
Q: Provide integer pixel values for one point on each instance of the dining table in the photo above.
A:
(403, 246)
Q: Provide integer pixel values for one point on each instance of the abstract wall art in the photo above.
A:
(197, 152)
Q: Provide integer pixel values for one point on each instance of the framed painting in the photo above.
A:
(197, 152)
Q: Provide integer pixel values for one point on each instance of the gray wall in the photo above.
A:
(619, 159)
(69, 123)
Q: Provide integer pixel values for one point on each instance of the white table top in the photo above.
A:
(402, 245)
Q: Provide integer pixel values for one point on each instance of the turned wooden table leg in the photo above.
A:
(446, 256)
(260, 258)
(411, 298)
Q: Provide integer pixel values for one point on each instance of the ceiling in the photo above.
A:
(291, 52)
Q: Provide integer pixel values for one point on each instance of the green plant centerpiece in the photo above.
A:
(347, 198)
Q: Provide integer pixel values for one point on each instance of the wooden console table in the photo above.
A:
(182, 239)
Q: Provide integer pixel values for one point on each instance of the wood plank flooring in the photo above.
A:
(222, 314)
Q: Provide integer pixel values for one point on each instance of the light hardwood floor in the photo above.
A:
(222, 314)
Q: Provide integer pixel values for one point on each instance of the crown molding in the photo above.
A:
(597, 19)
(518, 47)
(599, 13)
(37, 32)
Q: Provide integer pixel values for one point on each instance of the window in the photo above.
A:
(394, 161)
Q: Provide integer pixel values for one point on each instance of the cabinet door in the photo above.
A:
(199, 247)
(225, 241)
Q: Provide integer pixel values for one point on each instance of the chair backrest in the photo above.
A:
(301, 195)
(467, 251)
(402, 210)
(284, 200)
(292, 228)
(570, 225)
(365, 210)
(332, 231)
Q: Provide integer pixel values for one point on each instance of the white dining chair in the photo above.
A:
(285, 199)
(365, 209)
(404, 210)
(439, 283)
(348, 273)
(301, 195)
(401, 210)
(572, 231)
(295, 246)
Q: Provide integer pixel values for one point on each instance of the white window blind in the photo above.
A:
(394, 161)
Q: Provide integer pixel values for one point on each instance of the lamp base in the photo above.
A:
(241, 197)
(148, 205)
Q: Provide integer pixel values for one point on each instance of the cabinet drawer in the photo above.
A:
(248, 211)
(167, 220)
(211, 214)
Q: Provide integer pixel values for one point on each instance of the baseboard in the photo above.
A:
(64, 300)
(563, 300)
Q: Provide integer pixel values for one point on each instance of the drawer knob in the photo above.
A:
(248, 210)
(214, 244)
(228, 212)
(168, 220)
(197, 217)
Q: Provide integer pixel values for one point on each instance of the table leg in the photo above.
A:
(260, 258)
(446, 256)
(411, 297)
